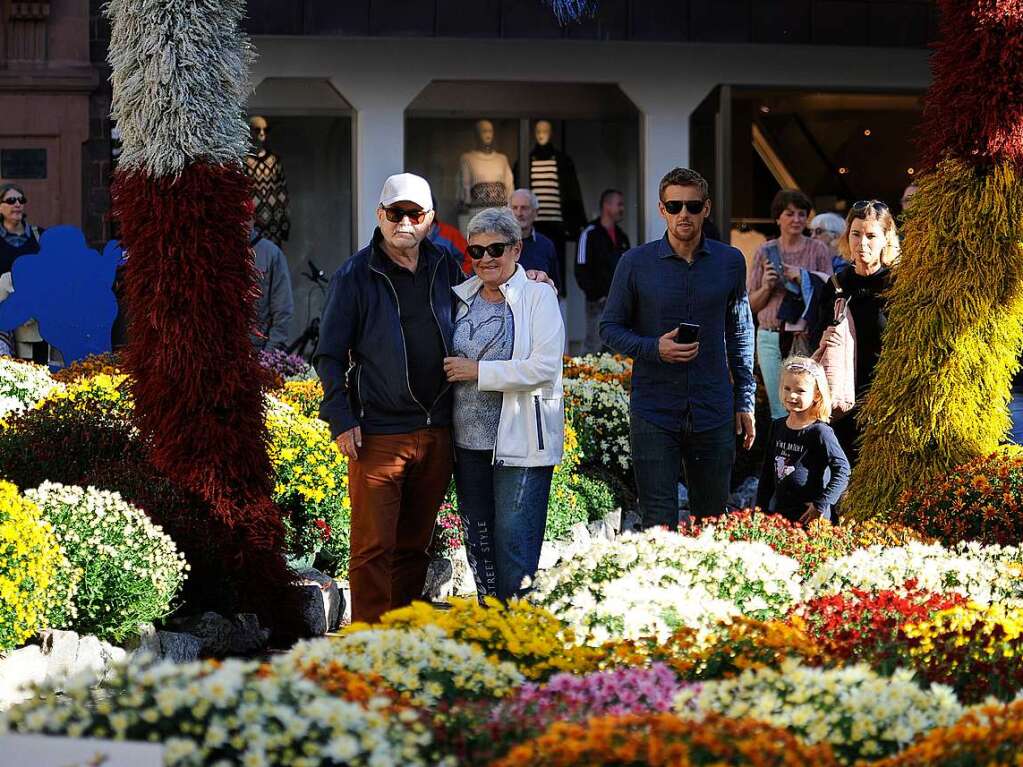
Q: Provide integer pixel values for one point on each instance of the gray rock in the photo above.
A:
(60, 649)
(330, 594)
(631, 522)
(246, 635)
(601, 531)
(745, 495)
(20, 668)
(222, 637)
(180, 648)
(313, 615)
(214, 631)
(579, 535)
(145, 643)
(90, 657)
(614, 520)
(440, 579)
(550, 555)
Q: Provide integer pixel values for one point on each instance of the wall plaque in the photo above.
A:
(22, 163)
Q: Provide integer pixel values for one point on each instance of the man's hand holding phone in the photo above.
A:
(680, 344)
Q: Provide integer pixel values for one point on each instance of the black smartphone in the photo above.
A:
(688, 333)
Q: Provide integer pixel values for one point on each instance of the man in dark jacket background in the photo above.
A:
(600, 246)
(275, 304)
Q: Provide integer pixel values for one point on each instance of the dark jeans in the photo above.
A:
(504, 513)
(658, 455)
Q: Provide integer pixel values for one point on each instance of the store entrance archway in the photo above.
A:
(594, 124)
(837, 147)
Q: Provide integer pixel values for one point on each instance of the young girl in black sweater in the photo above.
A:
(805, 471)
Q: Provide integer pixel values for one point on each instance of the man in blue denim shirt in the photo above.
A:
(689, 400)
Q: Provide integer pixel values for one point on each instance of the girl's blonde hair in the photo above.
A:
(873, 210)
(821, 408)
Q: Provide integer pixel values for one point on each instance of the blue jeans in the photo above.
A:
(658, 456)
(504, 513)
(769, 359)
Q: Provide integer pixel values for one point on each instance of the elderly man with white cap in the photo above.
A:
(386, 329)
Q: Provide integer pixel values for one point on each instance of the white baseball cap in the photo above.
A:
(407, 187)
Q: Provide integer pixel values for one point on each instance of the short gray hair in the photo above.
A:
(832, 222)
(533, 199)
(497, 221)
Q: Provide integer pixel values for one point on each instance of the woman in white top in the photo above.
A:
(509, 418)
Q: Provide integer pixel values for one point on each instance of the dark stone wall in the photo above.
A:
(892, 23)
(96, 160)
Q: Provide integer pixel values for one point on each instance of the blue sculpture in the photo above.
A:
(67, 288)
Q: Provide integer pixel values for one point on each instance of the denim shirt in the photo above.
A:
(652, 292)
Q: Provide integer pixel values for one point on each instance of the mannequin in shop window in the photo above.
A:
(270, 185)
(485, 177)
(552, 178)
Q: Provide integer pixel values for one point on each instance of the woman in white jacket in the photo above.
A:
(509, 418)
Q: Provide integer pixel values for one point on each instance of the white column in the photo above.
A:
(378, 128)
(664, 139)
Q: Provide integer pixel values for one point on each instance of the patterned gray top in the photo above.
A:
(486, 332)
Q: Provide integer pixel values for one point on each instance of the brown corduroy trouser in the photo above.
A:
(396, 486)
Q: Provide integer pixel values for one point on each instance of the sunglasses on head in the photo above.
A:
(494, 250)
(862, 205)
(674, 207)
(395, 215)
(15, 200)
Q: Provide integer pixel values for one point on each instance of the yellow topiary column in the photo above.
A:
(955, 310)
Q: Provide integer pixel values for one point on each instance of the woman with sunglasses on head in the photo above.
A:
(871, 245)
(777, 271)
(508, 412)
(17, 238)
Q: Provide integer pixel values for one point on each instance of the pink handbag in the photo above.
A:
(839, 361)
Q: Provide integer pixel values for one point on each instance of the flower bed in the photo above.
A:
(236, 712)
(859, 713)
(653, 583)
(31, 564)
(22, 384)
(984, 574)
(978, 501)
(662, 740)
(127, 570)
(529, 637)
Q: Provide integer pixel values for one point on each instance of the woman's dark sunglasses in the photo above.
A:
(494, 250)
(862, 205)
(395, 215)
(15, 200)
(674, 207)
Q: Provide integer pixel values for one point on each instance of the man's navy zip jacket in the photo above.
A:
(652, 292)
(361, 356)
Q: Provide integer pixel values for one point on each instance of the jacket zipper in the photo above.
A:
(444, 342)
(404, 346)
(358, 392)
(539, 423)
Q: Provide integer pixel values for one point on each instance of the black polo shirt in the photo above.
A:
(424, 347)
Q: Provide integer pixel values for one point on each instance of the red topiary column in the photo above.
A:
(180, 70)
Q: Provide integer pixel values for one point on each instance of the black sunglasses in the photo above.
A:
(494, 250)
(862, 205)
(15, 200)
(674, 207)
(395, 215)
